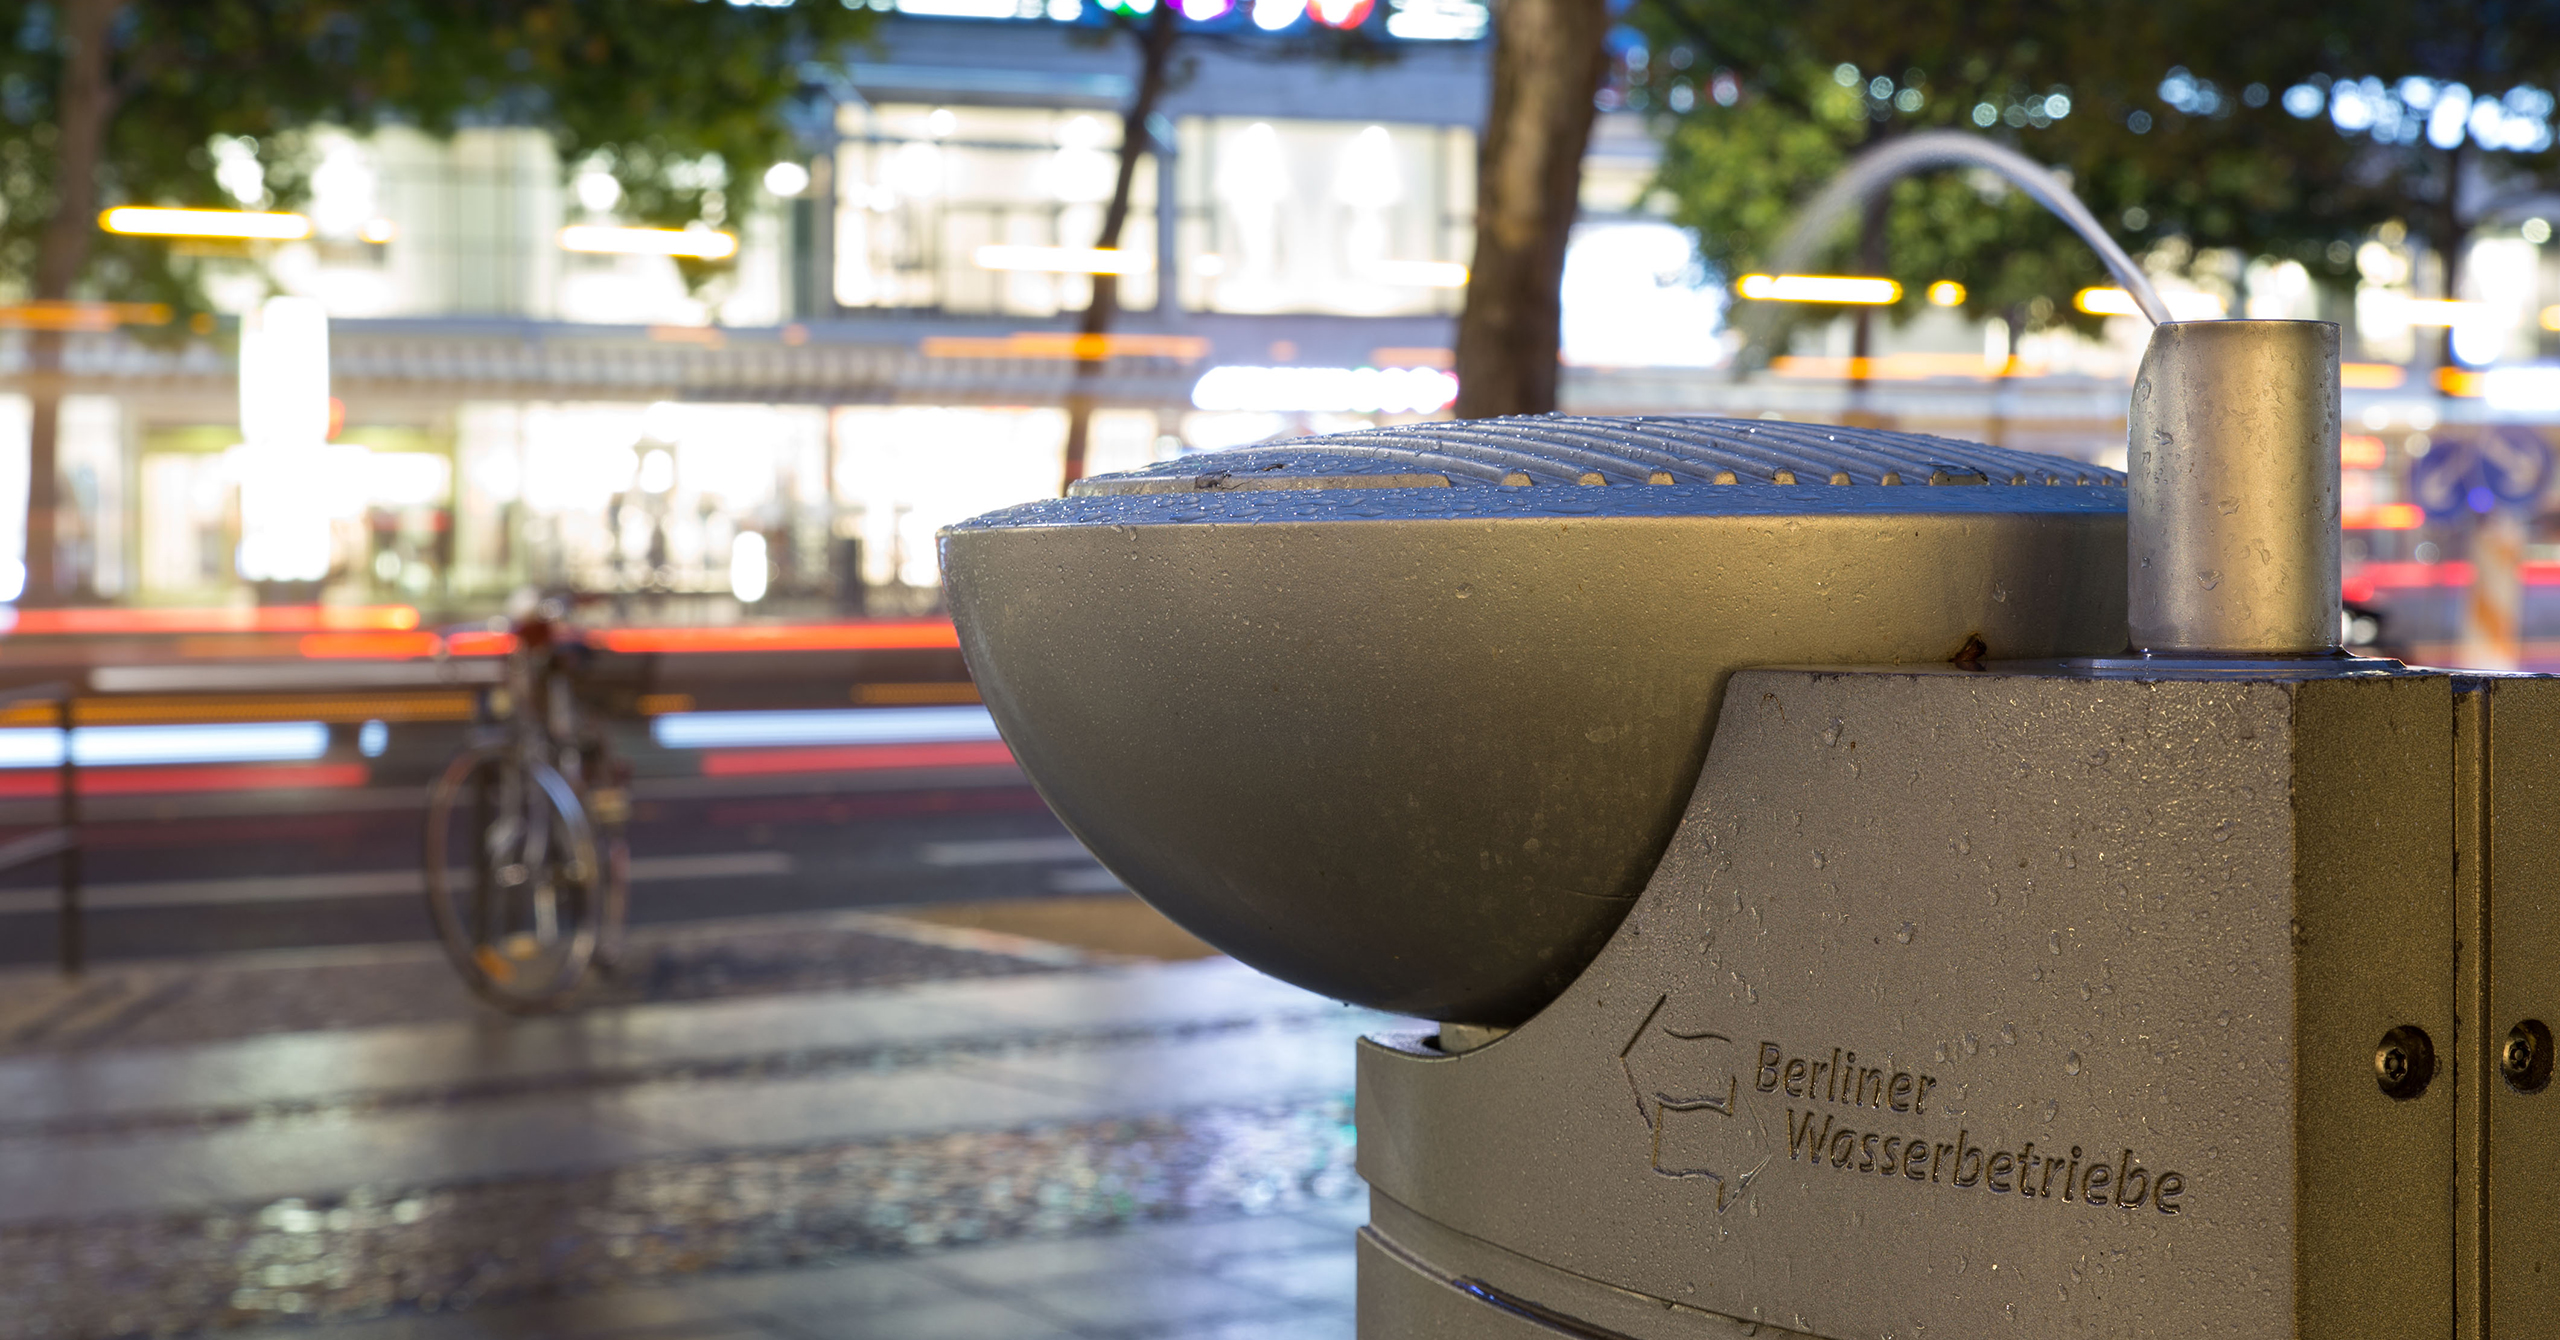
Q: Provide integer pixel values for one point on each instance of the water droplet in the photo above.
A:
(2209, 578)
(1964, 844)
(2055, 944)
(2008, 1035)
(2085, 993)
(1941, 1053)
(2071, 1064)
(1465, 590)
(2035, 975)
(2070, 861)
(2224, 1018)
(1902, 934)
(1820, 860)
(2050, 1109)
(1831, 737)
(1972, 1045)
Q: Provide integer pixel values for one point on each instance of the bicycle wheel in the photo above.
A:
(517, 888)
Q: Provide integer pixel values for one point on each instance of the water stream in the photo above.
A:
(1874, 170)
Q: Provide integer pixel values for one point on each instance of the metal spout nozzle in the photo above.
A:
(2232, 453)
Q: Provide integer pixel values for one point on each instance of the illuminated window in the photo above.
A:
(985, 209)
(1324, 216)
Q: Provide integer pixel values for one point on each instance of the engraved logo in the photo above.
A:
(1688, 1086)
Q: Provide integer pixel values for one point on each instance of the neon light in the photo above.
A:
(1849, 289)
(1065, 260)
(108, 746)
(87, 316)
(1335, 390)
(2371, 376)
(696, 243)
(1063, 344)
(875, 725)
(857, 758)
(479, 642)
(1340, 13)
(885, 635)
(241, 224)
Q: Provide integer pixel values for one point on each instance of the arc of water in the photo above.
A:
(1874, 169)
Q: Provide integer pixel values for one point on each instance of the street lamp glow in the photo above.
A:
(602, 240)
(235, 224)
(786, 179)
(1946, 293)
(1849, 289)
(2117, 302)
(1065, 260)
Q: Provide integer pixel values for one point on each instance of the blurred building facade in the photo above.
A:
(884, 354)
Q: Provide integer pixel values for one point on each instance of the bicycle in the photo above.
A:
(549, 869)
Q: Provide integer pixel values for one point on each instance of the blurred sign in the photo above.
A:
(2474, 475)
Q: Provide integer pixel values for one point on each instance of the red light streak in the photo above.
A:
(881, 635)
(23, 782)
(856, 758)
(256, 619)
(367, 646)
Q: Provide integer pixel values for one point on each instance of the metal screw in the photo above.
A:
(2392, 1063)
(2518, 1058)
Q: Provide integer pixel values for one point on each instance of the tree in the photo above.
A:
(1152, 27)
(105, 102)
(2450, 103)
(1548, 57)
(2171, 120)
(1156, 40)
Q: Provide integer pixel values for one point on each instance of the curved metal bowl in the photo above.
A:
(1370, 718)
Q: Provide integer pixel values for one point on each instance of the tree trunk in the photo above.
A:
(1548, 57)
(2452, 236)
(1155, 45)
(88, 104)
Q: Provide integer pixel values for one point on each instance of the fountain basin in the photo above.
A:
(1407, 717)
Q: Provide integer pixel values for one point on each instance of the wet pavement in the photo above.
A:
(835, 1124)
(1278, 1276)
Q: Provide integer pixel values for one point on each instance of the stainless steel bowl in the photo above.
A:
(1406, 717)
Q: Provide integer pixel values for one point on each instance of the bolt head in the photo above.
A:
(2392, 1063)
(2518, 1057)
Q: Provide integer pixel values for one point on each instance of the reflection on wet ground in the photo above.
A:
(927, 1128)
